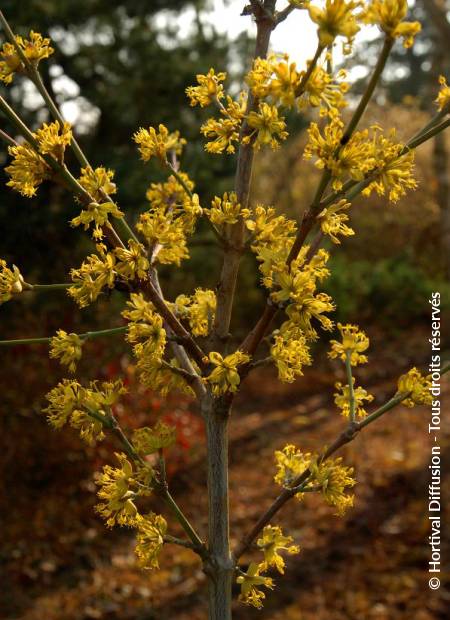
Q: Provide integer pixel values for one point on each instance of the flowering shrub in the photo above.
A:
(185, 345)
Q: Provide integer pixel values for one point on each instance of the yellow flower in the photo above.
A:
(354, 343)
(332, 222)
(139, 309)
(96, 273)
(250, 583)
(159, 378)
(199, 310)
(291, 463)
(336, 18)
(11, 282)
(322, 90)
(165, 235)
(149, 440)
(333, 478)
(392, 172)
(132, 262)
(226, 210)
(273, 236)
(117, 490)
(418, 386)
(53, 139)
(153, 143)
(342, 399)
(36, 48)
(353, 159)
(209, 89)
(27, 170)
(290, 352)
(98, 213)
(223, 133)
(225, 376)
(98, 182)
(297, 287)
(145, 329)
(150, 539)
(69, 401)
(389, 15)
(274, 77)
(64, 399)
(443, 98)
(271, 543)
(268, 128)
(66, 347)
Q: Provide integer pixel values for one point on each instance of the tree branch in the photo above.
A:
(344, 438)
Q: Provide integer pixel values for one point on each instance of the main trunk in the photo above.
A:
(220, 566)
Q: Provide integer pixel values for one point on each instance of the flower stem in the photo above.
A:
(351, 392)
(84, 336)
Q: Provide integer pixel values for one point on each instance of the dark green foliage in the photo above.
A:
(392, 291)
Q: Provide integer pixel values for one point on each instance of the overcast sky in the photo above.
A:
(296, 35)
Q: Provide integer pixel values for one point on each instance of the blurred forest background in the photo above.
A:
(120, 69)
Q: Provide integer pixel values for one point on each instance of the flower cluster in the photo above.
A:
(393, 169)
(271, 543)
(333, 478)
(151, 529)
(336, 18)
(96, 273)
(417, 386)
(67, 348)
(157, 143)
(98, 182)
(443, 98)
(117, 489)
(198, 309)
(132, 262)
(389, 16)
(223, 133)
(250, 583)
(332, 221)
(352, 160)
(290, 352)
(148, 336)
(86, 409)
(379, 158)
(225, 376)
(170, 219)
(329, 477)
(267, 128)
(53, 138)
(28, 169)
(276, 78)
(226, 210)
(291, 463)
(342, 399)
(353, 344)
(35, 49)
(296, 286)
(145, 329)
(11, 281)
(97, 213)
(148, 440)
(209, 89)
(324, 91)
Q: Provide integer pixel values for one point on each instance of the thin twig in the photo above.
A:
(85, 336)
